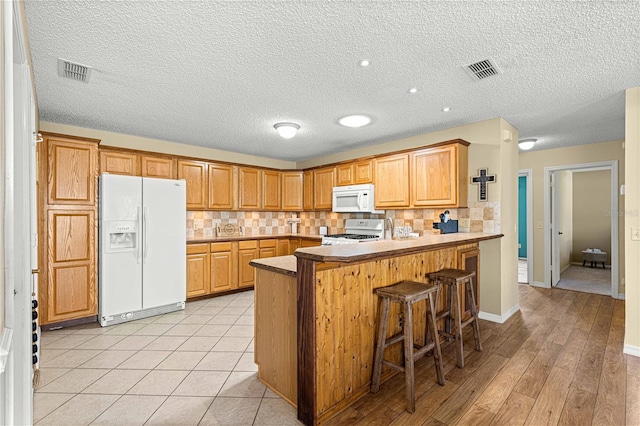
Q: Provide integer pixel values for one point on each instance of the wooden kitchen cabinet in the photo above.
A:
(68, 170)
(157, 167)
(72, 171)
(292, 198)
(198, 270)
(307, 191)
(268, 248)
(323, 183)
(271, 191)
(223, 267)
(221, 177)
(294, 244)
(439, 176)
(345, 174)
(247, 251)
(250, 188)
(392, 181)
(363, 172)
(283, 247)
(119, 163)
(310, 242)
(195, 174)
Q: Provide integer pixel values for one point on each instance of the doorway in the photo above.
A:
(563, 255)
(525, 226)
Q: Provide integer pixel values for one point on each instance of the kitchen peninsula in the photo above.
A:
(316, 314)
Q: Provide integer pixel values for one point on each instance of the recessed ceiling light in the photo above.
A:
(446, 109)
(354, 120)
(364, 63)
(413, 90)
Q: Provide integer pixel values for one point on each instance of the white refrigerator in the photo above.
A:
(142, 243)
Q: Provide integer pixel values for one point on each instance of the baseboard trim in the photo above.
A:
(500, 319)
(539, 284)
(631, 350)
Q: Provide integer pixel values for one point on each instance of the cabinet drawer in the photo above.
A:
(245, 245)
(268, 243)
(216, 247)
(197, 248)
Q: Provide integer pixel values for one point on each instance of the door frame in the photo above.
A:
(528, 174)
(612, 166)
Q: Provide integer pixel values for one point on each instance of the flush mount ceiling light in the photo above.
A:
(354, 120)
(286, 130)
(364, 63)
(413, 90)
(446, 109)
(525, 144)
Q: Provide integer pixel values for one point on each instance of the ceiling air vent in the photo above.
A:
(68, 69)
(482, 69)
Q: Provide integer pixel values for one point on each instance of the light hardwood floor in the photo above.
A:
(557, 361)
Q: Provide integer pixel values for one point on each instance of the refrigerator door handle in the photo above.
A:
(144, 235)
(138, 251)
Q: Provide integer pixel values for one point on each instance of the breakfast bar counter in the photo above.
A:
(316, 312)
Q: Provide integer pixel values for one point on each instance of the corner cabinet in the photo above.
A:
(439, 176)
(67, 210)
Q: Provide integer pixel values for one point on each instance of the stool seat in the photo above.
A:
(452, 279)
(407, 293)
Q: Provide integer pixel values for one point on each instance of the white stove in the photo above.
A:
(356, 231)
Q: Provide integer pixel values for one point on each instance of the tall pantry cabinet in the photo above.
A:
(67, 226)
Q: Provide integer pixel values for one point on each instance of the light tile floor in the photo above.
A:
(193, 367)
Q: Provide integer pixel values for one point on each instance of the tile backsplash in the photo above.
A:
(478, 217)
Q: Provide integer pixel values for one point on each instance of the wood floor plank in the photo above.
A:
(514, 411)
(501, 386)
(426, 406)
(536, 374)
(572, 351)
(476, 416)
(632, 400)
(454, 407)
(588, 313)
(548, 406)
(633, 366)
(578, 408)
(610, 403)
(587, 376)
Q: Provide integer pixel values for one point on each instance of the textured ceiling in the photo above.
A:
(220, 74)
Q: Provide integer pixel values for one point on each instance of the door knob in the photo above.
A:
(559, 233)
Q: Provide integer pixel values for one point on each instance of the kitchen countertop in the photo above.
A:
(223, 238)
(369, 250)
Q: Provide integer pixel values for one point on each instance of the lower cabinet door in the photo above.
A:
(246, 272)
(223, 266)
(198, 274)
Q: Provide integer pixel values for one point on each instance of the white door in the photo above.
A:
(120, 260)
(164, 278)
(555, 232)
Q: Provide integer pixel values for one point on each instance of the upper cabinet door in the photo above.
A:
(271, 190)
(221, 186)
(392, 181)
(439, 176)
(119, 163)
(72, 171)
(195, 173)
(323, 182)
(158, 167)
(363, 172)
(250, 183)
(345, 175)
(292, 191)
(307, 190)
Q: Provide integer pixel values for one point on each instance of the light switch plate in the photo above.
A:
(635, 234)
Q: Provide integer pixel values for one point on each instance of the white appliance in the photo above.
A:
(142, 259)
(354, 199)
(356, 231)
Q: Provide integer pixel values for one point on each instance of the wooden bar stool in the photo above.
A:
(407, 293)
(452, 279)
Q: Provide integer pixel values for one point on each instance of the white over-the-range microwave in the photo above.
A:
(354, 199)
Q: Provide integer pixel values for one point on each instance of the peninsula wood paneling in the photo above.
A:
(347, 311)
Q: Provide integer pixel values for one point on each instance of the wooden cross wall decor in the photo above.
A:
(482, 179)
